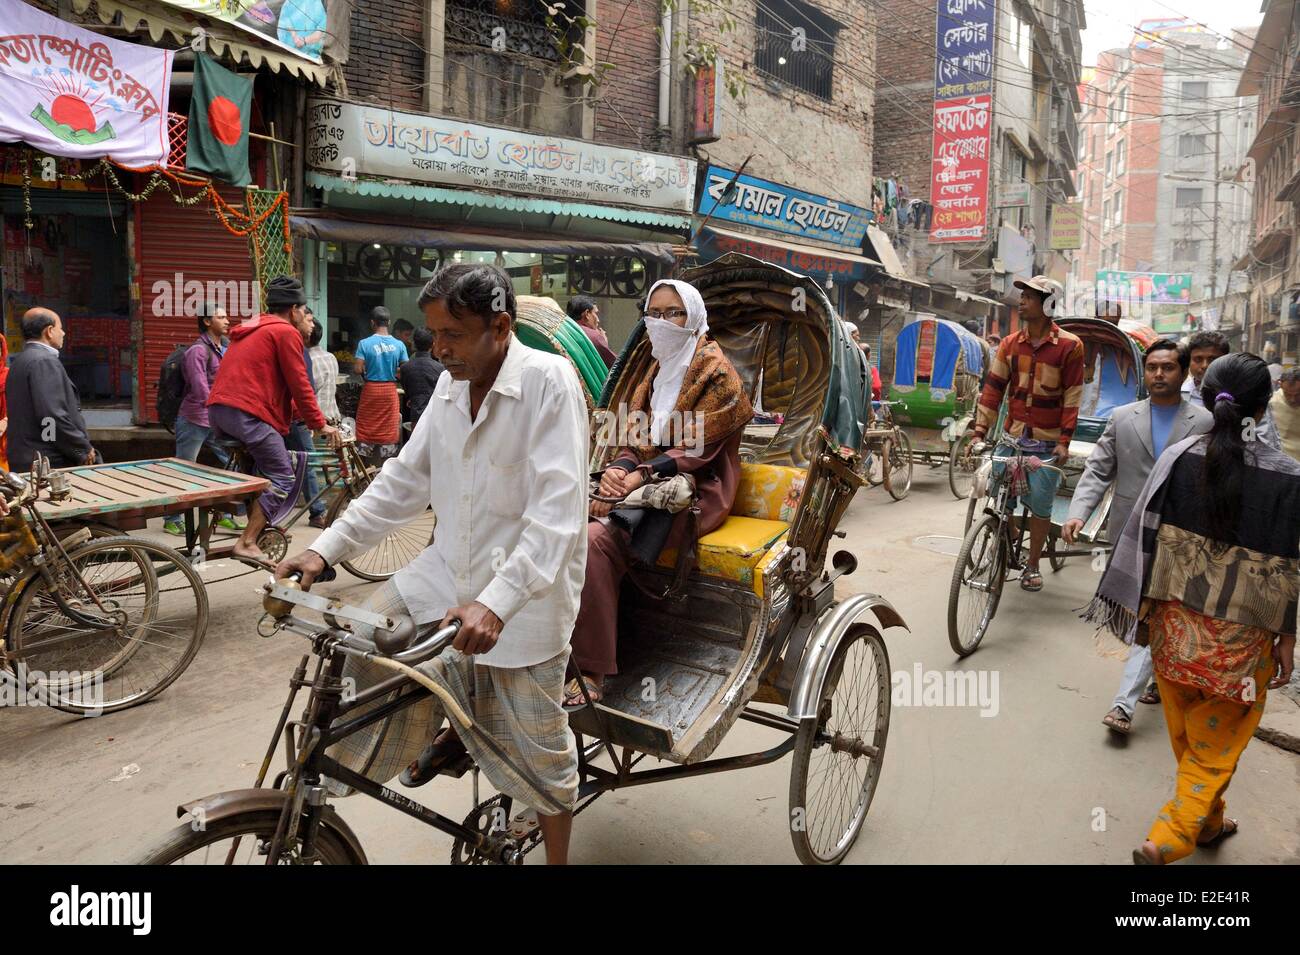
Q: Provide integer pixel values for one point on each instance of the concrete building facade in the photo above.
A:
(1034, 145)
(1272, 168)
(1165, 134)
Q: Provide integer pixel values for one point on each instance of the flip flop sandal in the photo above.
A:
(573, 698)
(1032, 581)
(1229, 828)
(436, 755)
(1150, 697)
(1118, 724)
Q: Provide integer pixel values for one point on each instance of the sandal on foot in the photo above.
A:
(1117, 722)
(573, 696)
(447, 748)
(1031, 580)
(1151, 696)
(1140, 857)
(1228, 828)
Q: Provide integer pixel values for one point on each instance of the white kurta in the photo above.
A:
(510, 494)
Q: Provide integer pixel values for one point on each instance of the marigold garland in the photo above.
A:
(244, 226)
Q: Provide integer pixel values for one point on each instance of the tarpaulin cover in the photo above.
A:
(432, 237)
(950, 340)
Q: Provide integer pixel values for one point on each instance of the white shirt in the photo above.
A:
(509, 490)
(325, 373)
(1192, 392)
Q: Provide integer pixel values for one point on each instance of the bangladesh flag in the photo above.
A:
(218, 128)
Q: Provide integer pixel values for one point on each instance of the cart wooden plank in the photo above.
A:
(148, 488)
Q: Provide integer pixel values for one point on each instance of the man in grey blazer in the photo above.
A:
(1135, 437)
(44, 407)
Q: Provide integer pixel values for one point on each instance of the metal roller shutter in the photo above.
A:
(191, 241)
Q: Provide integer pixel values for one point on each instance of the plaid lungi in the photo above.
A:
(520, 708)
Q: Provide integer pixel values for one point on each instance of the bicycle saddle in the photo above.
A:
(399, 638)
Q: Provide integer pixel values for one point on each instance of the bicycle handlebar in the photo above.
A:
(1007, 459)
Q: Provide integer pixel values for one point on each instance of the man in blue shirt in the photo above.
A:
(1136, 435)
(379, 417)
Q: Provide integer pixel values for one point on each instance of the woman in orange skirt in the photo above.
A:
(1208, 571)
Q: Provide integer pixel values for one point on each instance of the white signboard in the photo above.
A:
(353, 139)
(71, 92)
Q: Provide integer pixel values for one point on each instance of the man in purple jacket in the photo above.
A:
(192, 428)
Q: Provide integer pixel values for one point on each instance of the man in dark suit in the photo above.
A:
(44, 407)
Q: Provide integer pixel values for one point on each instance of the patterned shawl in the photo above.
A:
(1166, 551)
(712, 395)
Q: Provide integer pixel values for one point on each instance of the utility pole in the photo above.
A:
(1214, 234)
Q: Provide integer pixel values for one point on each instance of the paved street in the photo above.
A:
(1023, 786)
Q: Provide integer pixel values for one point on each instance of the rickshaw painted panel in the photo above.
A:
(770, 492)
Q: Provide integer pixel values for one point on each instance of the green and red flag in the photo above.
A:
(220, 110)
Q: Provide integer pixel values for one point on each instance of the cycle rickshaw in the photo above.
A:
(995, 547)
(754, 632)
(938, 366)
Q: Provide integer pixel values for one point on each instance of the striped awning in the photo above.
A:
(142, 16)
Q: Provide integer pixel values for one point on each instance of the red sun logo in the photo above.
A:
(72, 111)
(224, 121)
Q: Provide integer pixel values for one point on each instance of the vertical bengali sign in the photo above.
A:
(1067, 226)
(963, 64)
(963, 119)
(959, 185)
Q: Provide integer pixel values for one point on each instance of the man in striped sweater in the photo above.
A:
(1040, 370)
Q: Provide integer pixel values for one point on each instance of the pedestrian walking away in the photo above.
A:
(1136, 435)
(262, 376)
(501, 455)
(1042, 364)
(379, 417)
(43, 404)
(1206, 574)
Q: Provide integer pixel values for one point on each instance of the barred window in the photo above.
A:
(796, 45)
(505, 26)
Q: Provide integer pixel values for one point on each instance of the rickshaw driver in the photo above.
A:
(500, 453)
(1043, 366)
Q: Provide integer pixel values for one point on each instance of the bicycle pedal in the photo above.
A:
(458, 767)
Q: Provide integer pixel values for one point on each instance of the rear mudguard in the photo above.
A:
(220, 806)
(827, 633)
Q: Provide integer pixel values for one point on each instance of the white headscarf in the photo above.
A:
(673, 346)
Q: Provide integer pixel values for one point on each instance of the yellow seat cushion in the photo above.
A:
(768, 492)
(735, 550)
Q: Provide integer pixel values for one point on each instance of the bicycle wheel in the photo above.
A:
(977, 580)
(898, 476)
(154, 610)
(961, 467)
(249, 835)
(839, 755)
(392, 553)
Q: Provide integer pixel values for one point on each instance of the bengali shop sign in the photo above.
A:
(1067, 226)
(964, 56)
(72, 92)
(959, 186)
(769, 205)
(355, 139)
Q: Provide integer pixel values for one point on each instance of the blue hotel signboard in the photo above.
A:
(769, 205)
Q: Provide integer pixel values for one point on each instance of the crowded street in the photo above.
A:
(1024, 784)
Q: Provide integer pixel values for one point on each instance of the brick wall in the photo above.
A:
(386, 60)
(627, 103)
(905, 94)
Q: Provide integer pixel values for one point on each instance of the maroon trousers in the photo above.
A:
(595, 634)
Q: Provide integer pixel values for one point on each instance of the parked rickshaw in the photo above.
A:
(755, 632)
(541, 323)
(938, 366)
(995, 547)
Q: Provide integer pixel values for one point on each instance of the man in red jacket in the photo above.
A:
(262, 375)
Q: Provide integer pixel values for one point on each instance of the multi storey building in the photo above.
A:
(1272, 262)
(1165, 131)
(1033, 148)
